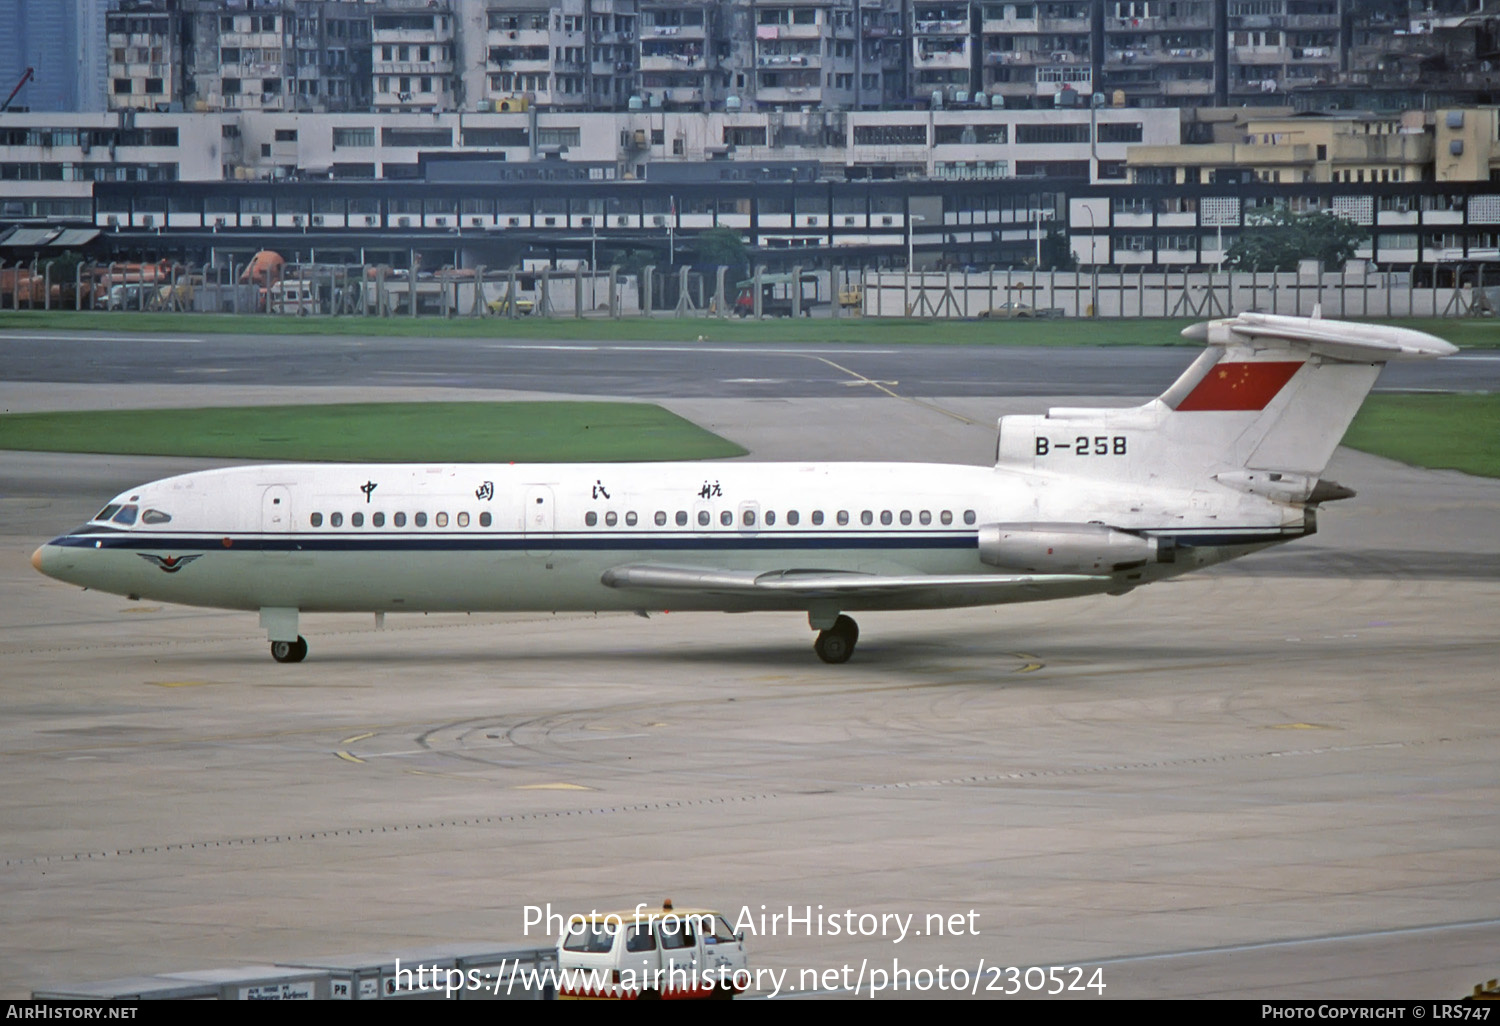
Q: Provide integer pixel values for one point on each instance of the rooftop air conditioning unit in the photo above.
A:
(148, 221)
(660, 220)
(404, 222)
(477, 222)
(550, 221)
(586, 221)
(113, 220)
(220, 222)
(318, 220)
(623, 220)
(297, 220)
(255, 221)
(441, 222)
(514, 222)
(370, 219)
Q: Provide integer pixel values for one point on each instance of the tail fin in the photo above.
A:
(1261, 409)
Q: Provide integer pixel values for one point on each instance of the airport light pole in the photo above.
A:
(910, 217)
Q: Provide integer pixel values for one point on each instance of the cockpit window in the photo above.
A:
(155, 516)
(107, 511)
(126, 515)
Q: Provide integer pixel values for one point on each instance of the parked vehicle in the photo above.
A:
(651, 952)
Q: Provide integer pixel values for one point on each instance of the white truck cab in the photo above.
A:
(651, 952)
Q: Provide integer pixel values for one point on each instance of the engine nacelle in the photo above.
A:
(1067, 548)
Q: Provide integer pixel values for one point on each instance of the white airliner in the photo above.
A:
(1080, 501)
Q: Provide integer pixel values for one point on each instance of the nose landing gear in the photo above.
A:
(289, 651)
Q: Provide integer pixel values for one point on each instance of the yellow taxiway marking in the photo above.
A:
(347, 757)
(141, 609)
(1033, 663)
(356, 737)
(1298, 726)
(551, 787)
(179, 683)
(450, 776)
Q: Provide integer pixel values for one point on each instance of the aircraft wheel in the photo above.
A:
(289, 651)
(836, 644)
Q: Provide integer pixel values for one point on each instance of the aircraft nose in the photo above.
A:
(36, 559)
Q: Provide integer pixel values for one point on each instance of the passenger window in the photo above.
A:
(703, 518)
(969, 516)
(126, 515)
(630, 519)
(726, 518)
(885, 517)
(682, 518)
(335, 520)
(590, 519)
(611, 518)
(661, 518)
(947, 516)
(770, 518)
(377, 520)
(792, 518)
(925, 517)
(463, 520)
(748, 519)
(316, 520)
(155, 516)
(356, 520)
(420, 519)
(485, 519)
(867, 518)
(399, 520)
(905, 517)
(843, 518)
(441, 520)
(817, 518)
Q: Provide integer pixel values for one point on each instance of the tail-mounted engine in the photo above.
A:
(1069, 548)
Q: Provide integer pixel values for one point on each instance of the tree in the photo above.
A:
(720, 246)
(1277, 240)
(1056, 256)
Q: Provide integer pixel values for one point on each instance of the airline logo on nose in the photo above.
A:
(168, 564)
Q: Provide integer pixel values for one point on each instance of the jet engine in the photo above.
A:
(1068, 548)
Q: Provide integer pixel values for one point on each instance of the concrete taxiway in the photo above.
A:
(1272, 780)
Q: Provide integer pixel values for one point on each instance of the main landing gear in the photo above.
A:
(289, 651)
(835, 642)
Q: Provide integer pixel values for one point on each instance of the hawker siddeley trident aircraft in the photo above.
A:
(1080, 501)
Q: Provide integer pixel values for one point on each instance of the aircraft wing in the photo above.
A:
(836, 584)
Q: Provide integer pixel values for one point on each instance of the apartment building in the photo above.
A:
(145, 67)
(1351, 148)
(306, 55)
(413, 56)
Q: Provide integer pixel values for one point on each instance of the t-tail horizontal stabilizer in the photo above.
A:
(1261, 410)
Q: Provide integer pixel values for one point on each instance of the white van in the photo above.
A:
(651, 952)
(294, 297)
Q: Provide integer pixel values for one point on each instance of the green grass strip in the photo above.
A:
(1446, 432)
(541, 432)
(1468, 333)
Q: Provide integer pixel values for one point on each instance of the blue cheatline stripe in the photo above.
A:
(509, 543)
(594, 542)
